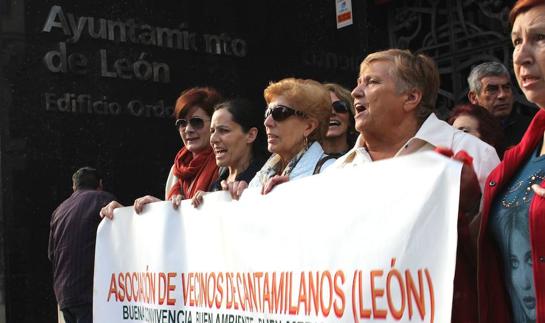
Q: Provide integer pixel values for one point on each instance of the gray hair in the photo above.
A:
(411, 70)
(484, 70)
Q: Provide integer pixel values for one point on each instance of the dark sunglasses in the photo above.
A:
(340, 107)
(195, 123)
(282, 112)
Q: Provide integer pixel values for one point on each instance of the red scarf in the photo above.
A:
(193, 173)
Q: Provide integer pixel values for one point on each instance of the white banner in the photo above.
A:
(376, 242)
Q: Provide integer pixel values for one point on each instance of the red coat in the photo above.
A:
(494, 302)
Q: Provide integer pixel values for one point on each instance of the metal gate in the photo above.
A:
(458, 34)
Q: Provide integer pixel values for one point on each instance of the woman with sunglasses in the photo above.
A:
(296, 121)
(238, 139)
(194, 167)
(341, 134)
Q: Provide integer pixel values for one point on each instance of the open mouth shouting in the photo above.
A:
(359, 107)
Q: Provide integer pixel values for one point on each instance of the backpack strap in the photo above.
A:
(321, 162)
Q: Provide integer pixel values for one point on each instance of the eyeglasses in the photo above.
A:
(340, 107)
(282, 112)
(195, 123)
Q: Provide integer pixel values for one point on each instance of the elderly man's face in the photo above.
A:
(496, 96)
(378, 103)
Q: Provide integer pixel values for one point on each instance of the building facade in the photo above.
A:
(94, 83)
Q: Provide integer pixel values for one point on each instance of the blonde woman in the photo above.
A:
(296, 122)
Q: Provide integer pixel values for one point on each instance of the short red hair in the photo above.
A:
(489, 127)
(521, 7)
(203, 97)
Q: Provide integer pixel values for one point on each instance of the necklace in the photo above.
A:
(515, 201)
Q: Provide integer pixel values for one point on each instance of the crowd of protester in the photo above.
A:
(309, 127)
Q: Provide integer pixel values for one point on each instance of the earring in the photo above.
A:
(306, 141)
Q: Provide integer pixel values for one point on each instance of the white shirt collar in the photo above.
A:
(436, 132)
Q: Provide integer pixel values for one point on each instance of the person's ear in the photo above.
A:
(413, 100)
(312, 124)
(251, 135)
(472, 96)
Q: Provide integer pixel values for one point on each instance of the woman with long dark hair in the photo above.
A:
(238, 139)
